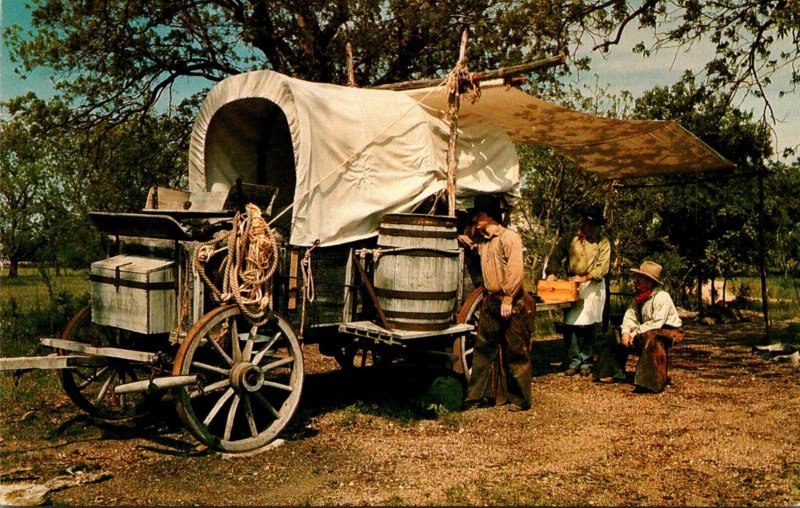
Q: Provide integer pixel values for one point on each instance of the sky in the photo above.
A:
(619, 69)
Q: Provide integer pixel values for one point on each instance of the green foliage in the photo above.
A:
(552, 189)
(53, 176)
(119, 58)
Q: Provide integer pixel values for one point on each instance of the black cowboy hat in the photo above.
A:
(592, 215)
(490, 205)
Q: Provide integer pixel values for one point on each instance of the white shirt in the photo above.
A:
(657, 311)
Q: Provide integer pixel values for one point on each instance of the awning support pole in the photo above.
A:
(453, 104)
(762, 255)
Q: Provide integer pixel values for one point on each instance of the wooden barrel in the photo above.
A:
(417, 282)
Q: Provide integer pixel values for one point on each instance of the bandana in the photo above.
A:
(642, 297)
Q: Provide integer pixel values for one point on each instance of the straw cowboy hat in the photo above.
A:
(650, 270)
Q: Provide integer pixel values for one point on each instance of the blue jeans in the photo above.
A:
(581, 346)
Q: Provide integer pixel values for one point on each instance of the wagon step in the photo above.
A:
(370, 330)
(111, 352)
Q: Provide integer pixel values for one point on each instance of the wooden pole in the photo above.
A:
(351, 75)
(481, 75)
(453, 104)
(762, 256)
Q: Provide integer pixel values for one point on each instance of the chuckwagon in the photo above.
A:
(313, 215)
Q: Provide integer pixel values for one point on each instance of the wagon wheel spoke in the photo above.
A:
(213, 387)
(264, 402)
(278, 386)
(98, 374)
(219, 351)
(211, 368)
(235, 346)
(231, 417)
(248, 413)
(277, 364)
(103, 390)
(221, 402)
(248, 347)
(260, 355)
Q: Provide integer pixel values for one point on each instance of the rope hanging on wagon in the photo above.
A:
(309, 292)
(247, 269)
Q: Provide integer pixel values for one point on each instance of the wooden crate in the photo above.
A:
(557, 291)
(134, 293)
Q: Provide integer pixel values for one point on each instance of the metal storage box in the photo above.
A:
(134, 293)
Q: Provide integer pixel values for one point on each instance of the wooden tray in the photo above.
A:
(557, 291)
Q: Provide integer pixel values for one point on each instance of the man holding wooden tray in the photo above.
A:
(586, 257)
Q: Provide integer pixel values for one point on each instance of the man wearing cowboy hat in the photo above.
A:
(650, 327)
(588, 257)
(506, 318)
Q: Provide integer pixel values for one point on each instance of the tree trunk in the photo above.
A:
(13, 268)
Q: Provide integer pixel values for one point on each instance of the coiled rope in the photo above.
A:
(247, 269)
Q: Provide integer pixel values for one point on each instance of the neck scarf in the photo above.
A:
(581, 235)
(642, 297)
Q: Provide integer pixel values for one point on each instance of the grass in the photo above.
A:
(38, 303)
(33, 305)
(30, 289)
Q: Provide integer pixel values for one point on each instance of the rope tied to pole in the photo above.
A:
(247, 269)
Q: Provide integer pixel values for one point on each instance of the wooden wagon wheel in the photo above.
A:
(464, 345)
(91, 388)
(250, 377)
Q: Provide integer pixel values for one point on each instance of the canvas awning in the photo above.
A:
(614, 149)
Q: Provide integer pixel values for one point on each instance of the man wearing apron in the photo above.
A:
(588, 256)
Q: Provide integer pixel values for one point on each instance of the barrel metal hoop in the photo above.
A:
(415, 295)
(423, 252)
(419, 220)
(416, 233)
(416, 315)
(419, 327)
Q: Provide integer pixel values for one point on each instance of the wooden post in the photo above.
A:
(610, 195)
(453, 104)
(762, 255)
(351, 75)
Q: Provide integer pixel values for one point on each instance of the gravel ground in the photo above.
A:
(726, 432)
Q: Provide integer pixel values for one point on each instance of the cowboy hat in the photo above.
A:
(490, 205)
(592, 215)
(650, 270)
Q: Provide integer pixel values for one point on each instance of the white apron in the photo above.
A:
(589, 307)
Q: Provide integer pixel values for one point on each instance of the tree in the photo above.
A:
(709, 222)
(23, 166)
(53, 176)
(118, 57)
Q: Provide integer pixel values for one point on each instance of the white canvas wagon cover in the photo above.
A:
(356, 153)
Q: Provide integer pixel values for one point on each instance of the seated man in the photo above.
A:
(650, 327)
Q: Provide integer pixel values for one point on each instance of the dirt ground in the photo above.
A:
(726, 432)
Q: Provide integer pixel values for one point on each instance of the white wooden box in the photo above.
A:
(134, 293)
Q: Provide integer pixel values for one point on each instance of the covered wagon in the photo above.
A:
(313, 215)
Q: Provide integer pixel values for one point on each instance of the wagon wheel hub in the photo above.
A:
(246, 377)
